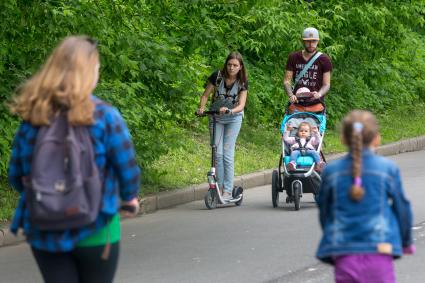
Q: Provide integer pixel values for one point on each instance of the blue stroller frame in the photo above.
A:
(304, 179)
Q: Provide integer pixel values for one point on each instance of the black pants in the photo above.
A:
(82, 265)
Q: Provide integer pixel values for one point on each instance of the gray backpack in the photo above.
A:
(64, 189)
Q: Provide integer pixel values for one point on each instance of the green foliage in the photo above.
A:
(8, 202)
(157, 55)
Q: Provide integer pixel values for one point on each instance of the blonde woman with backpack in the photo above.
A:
(73, 163)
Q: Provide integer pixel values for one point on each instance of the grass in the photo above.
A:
(256, 149)
(8, 202)
(259, 148)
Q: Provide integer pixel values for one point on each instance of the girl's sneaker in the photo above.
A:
(292, 166)
(227, 195)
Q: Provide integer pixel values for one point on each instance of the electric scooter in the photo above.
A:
(214, 195)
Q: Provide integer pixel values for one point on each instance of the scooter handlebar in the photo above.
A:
(215, 112)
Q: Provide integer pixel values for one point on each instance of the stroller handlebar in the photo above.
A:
(305, 97)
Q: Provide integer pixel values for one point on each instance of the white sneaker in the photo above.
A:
(227, 195)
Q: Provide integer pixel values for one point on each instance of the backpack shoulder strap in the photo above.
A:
(306, 67)
(219, 78)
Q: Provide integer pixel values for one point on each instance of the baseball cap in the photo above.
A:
(311, 34)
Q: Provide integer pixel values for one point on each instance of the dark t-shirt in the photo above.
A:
(213, 79)
(313, 78)
(227, 96)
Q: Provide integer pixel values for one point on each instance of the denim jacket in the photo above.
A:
(381, 222)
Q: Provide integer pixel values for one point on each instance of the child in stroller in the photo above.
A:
(304, 179)
(303, 144)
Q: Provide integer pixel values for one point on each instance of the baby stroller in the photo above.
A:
(304, 179)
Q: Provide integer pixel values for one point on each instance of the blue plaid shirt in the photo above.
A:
(115, 158)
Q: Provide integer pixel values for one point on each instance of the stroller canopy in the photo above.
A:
(315, 120)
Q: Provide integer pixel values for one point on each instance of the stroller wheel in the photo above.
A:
(297, 195)
(275, 188)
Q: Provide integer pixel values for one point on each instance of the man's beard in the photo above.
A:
(314, 50)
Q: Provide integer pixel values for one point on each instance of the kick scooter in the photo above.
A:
(213, 195)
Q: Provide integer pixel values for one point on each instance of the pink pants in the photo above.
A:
(364, 268)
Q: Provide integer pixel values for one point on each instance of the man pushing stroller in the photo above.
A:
(310, 69)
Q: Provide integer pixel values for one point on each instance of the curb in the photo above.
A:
(172, 198)
(163, 200)
(8, 239)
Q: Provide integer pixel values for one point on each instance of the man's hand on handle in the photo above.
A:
(293, 99)
(317, 94)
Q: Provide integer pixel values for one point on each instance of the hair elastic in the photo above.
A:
(358, 181)
(358, 127)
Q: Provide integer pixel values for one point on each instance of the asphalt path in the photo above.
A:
(251, 243)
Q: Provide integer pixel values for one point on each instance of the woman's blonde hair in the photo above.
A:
(64, 82)
(359, 128)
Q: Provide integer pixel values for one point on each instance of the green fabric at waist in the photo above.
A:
(101, 237)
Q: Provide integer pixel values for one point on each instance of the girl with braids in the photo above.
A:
(364, 214)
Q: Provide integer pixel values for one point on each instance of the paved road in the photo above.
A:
(251, 243)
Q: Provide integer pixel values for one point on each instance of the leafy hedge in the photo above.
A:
(156, 56)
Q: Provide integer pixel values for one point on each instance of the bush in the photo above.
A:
(156, 56)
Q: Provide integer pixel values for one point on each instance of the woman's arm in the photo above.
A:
(20, 159)
(15, 173)
(242, 101)
(240, 106)
(204, 98)
(122, 155)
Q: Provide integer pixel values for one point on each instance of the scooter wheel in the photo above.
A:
(236, 192)
(211, 199)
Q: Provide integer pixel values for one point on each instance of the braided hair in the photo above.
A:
(359, 128)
